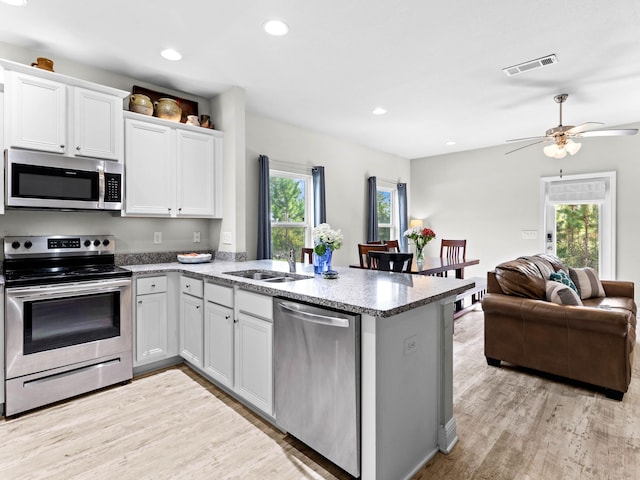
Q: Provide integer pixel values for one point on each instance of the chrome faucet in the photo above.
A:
(291, 259)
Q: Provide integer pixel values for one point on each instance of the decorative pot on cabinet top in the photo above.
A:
(140, 104)
(168, 109)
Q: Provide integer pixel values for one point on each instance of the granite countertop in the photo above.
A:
(380, 294)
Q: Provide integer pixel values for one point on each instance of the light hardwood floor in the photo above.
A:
(512, 424)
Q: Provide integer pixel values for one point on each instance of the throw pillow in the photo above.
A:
(561, 294)
(587, 281)
(563, 278)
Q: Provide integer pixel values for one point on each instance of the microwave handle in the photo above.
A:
(100, 186)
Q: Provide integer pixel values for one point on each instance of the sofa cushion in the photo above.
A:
(587, 281)
(561, 294)
(563, 278)
(554, 261)
(612, 303)
(522, 278)
(545, 267)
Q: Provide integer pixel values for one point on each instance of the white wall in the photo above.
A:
(347, 167)
(488, 198)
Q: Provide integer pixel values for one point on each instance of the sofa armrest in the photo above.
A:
(618, 288)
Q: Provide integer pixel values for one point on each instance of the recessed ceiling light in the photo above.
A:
(451, 142)
(276, 28)
(379, 111)
(15, 3)
(171, 54)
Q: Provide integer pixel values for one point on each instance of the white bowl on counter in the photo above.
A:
(200, 258)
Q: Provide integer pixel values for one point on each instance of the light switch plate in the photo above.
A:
(227, 238)
(529, 234)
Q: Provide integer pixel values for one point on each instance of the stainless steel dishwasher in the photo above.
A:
(317, 379)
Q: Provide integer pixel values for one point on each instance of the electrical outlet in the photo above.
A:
(157, 237)
(410, 344)
(196, 237)
(227, 238)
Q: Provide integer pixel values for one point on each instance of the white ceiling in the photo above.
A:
(435, 65)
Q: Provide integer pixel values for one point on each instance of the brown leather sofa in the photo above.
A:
(593, 343)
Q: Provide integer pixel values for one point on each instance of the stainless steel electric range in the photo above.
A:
(67, 318)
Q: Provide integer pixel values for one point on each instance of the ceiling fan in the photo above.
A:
(563, 136)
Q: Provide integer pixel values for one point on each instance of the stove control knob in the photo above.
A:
(87, 243)
(105, 242)
(15, 244)
(96, 243)
(28, 244)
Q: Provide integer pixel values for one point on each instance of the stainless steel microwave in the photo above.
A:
(45, 180)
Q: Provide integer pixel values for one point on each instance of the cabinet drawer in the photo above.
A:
(255, 304)
(192, 286)
(148, 285)
(218, 294)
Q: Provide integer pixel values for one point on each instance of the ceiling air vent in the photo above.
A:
(530, 65)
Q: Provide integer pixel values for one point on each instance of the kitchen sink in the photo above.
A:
(270, 276)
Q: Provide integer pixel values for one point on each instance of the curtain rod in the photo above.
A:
(394, 182)
(291, 164)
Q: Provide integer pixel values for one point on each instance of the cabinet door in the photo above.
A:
(195, 173)
(97, 124)
(152, 328)
(37, 113)
(150, 179)
(254, 361)
(218, 343)
(191, 331)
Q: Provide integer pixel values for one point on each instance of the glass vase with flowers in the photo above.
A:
(325, 241)
(420, 236)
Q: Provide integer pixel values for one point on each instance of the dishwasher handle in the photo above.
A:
(314, 317)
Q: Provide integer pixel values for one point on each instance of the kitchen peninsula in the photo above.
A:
(406, 337)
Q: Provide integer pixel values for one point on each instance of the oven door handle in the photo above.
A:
(98, 286)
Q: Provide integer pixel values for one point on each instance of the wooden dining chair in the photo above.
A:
(306, 253)
(453, 250)
(391, 262)
(392, 245)
(365, 248)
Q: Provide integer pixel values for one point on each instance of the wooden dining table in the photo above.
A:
(434, 265)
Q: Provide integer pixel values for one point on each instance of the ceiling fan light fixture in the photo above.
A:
(554, 151)
(572, 147)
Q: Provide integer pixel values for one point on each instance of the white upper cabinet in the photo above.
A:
(37, 113)
(97, 124)
(150, 169)
(54, 113)
(173, 170)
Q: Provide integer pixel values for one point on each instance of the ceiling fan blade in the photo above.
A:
(609, 133)
(528, 138)
(583, 127)
(544, 139)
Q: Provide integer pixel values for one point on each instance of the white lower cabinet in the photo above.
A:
(226, 333)
(191, 320)
(254, 349)
(218, 333)
(155, 330)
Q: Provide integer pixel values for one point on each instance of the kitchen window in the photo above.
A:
(291, 211)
